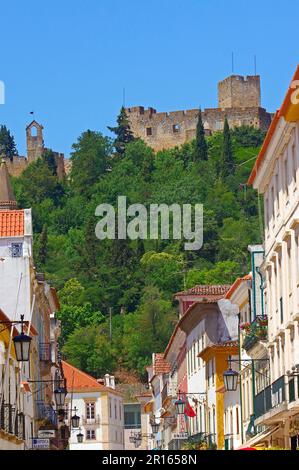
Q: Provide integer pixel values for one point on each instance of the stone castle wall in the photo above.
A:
(35, 149)
(238, 96)
(166, 130)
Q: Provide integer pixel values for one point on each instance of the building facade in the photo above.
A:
(276, 176)
(99, 407)
(25, 292)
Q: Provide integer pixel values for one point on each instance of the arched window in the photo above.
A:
(33, 131)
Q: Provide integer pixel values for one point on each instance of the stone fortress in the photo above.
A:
(35, 149)
(239, 99)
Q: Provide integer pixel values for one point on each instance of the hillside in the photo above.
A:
(133, 282)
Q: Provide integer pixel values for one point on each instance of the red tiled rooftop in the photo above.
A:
(206, 291)
(12, 223)
(160, 365)
(77, 379)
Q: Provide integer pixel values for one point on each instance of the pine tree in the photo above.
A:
(122, 131)
(43, 247)
(227, 165)
(201, 147)
(7, 143)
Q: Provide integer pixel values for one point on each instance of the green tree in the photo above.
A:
(90, 161)
(122, 131)
(7, 143)
(201, 147)
(43, 245)
(227, 165)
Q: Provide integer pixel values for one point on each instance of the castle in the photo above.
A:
(35, 149)
(239, 100)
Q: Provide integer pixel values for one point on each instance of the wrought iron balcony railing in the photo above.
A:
(12, 423)
(270, 397)
(94, 420)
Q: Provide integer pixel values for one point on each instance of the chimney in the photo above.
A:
(107, 380)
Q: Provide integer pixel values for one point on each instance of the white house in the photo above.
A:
(99, 407)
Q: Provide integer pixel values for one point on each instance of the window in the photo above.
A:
(90, 410)
(237, 420)
(90, 434)
(149, 131)
(294, 165)
(286, 187)
(115, 409)
(277, 191)
(132, 416)
(16, 250)
(110, 409)
(176, 128)
(213, 371)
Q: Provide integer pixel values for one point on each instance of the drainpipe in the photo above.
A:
(262, 288)
(240, 375)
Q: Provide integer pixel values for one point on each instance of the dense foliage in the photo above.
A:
(117, 295)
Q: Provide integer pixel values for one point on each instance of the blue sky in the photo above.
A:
(69, 60)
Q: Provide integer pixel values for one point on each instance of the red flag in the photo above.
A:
(188, 411)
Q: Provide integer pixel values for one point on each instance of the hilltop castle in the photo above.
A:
(35, 149)
(239, 99)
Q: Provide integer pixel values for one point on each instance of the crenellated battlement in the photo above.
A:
(238, 100)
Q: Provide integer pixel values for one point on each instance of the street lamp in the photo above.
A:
(132, 438)
(75, 420)
(138, 440)
(230, 378)
(155, 427)
(22, 344)
(180, 406)
(59, 396)
(80, 437)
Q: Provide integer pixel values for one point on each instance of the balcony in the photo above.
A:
(271, 402)
(169, 392)
(45, 352)
(91, 421)
(11, 423)
(46, 412)
(254, 332)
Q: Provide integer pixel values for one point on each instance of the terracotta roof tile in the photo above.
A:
(212, 292)
(77, 379)
(12, 223)
(160, 365)
(236, 284)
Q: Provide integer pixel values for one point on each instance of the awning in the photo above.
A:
(259, 438)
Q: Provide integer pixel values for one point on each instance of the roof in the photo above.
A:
(11, 223)
(210, 292)
(236, 284)
(227, 347)
(77, 380)
(160, 365)
(288, 110)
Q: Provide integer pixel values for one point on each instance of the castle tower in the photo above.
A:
(7, 197)
(35, 141)
(237, 91)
